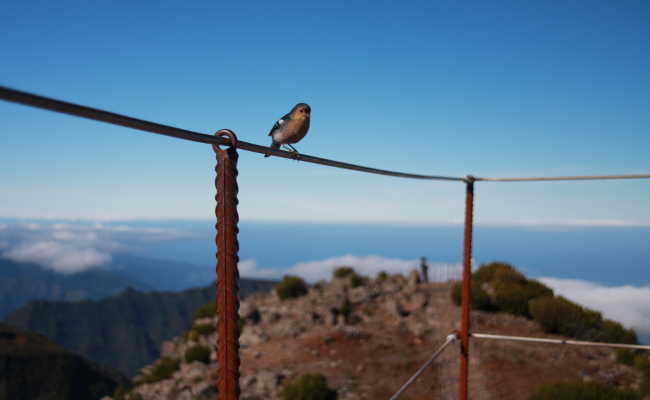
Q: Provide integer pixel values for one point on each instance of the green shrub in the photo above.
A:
(480, 300)
(308, 387)
(208, 310)
(383, 275)
(614, 332)
(556, 314)
(357, 280)
(582, 391)
(120, 392)
(198, 353)
(498, 271)
(625, 356)
(644, 390)
(192, 335)
(499, 286)
(642, 363)
(342, 272)
(559, 315)
(124, 393)
(291, 287)
(511, 289)
(204, 329)
(511, 297)
(535, 289)
(163, 370)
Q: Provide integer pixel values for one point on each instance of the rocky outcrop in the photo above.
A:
(367, 340)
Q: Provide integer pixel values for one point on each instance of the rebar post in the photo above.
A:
(227, 300)
(466, 290)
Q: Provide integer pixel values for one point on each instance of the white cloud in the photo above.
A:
(57, 256)
(370, 265)
(69, 235)
(71, 247)
(249, 269)
(629, 305)
(32, 226)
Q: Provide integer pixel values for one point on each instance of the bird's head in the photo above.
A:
(301, 110)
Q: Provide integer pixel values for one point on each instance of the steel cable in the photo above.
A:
(65, 107)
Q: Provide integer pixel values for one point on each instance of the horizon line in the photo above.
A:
(578, 222)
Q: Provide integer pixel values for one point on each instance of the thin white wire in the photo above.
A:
(559, 341)
(450, 338)
(564, 178)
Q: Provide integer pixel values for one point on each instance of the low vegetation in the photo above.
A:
(198, 353)
(582, 391)
(343, 271)
(641, 361)
(163, 370)
(308, 387)
(208, 310)
(204, 329)
(559, 315)
(125, 393)
(291, 287)
(500, 287)
(355, 279)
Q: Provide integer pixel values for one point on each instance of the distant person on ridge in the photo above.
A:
(425, 269)
(291, 128)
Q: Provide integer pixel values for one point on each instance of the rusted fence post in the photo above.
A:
(227, 273)
(466, 290)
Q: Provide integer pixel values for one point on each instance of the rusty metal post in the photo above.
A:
(466, 290)
(227, 273)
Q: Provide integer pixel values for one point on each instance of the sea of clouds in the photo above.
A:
(72, 247)
(629, 305)
(371, 265)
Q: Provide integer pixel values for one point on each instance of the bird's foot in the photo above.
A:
(296, 154)
(289, 147)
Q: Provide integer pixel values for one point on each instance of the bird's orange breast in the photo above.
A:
(296, 129)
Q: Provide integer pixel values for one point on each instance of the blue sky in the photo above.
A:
(497, 88)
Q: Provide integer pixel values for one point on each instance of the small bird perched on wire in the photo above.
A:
(291, 128)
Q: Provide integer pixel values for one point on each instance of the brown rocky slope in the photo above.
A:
(368, 340)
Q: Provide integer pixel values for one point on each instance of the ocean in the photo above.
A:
(610, 256)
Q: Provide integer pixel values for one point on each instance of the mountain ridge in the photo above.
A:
(123, 331)
(34, 368)
(21, 282)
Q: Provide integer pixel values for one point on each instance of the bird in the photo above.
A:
(291, 128)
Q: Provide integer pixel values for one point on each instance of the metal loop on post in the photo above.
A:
(227, 299)
(228, 134)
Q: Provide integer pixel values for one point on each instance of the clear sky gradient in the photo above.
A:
(502, 88)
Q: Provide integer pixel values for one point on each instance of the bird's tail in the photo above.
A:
(274, 146)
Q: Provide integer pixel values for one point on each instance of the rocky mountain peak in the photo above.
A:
(367, 337)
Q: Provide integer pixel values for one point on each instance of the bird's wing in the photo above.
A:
(280, 122)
